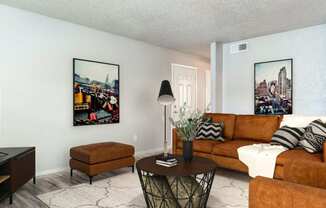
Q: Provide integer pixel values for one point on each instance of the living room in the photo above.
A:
(51, 51)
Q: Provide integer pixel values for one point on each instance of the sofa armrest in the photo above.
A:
(174, 140)
(307, 172)
(324, 152)
(270, 193)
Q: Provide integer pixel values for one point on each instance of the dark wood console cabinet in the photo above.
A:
(17, 167)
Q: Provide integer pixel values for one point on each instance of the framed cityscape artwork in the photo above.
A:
(274, 87)
(95, 92)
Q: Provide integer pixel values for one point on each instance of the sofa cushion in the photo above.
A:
(256, 127)
(101, 152)
(200, 145)
(229, 163)
(102, 167)
(230, 148)
(307, 173)
(298, 154)
(269, 193)
(227, 119)
(179, 144)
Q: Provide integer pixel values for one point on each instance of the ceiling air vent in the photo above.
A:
(238, 47)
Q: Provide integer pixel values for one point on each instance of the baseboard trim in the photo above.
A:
(145, 153)
(51, 171)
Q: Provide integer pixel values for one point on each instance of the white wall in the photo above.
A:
(308, 49)
(36, 85)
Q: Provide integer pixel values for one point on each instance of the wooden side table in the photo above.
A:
(186, 185)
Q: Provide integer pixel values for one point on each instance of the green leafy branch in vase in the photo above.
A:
(187, 123)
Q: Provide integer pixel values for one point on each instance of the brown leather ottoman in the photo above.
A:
(94, 159)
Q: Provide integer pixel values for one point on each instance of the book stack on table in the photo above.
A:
(169, 161)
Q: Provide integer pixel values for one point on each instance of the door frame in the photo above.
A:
(172, 79)
(208, 90)
(196, 82)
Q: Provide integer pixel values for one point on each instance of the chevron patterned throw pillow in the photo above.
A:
(210, 130)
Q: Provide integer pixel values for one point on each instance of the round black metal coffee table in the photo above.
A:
(186, 185)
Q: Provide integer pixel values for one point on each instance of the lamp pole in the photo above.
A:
(165, 139)
(165, 98)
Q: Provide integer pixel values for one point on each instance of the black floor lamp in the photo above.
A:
(165, 98)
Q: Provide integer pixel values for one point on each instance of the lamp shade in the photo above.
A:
(166, 96)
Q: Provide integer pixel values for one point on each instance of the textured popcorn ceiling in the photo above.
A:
(184, 25)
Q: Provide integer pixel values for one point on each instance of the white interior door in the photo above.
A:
(184, 83)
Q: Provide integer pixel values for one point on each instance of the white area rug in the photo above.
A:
(124, 190)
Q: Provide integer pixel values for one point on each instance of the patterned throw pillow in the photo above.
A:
(314, 137)
(210, 130)
(288, 137)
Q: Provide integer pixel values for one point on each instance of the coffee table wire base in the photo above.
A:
(176, 191)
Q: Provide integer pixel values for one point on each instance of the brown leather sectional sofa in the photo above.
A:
(241, 130)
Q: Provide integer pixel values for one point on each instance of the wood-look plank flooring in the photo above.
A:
(26, 197)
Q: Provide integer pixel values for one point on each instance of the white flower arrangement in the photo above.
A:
(187, 123)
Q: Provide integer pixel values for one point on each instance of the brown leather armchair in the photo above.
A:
(303, 186)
